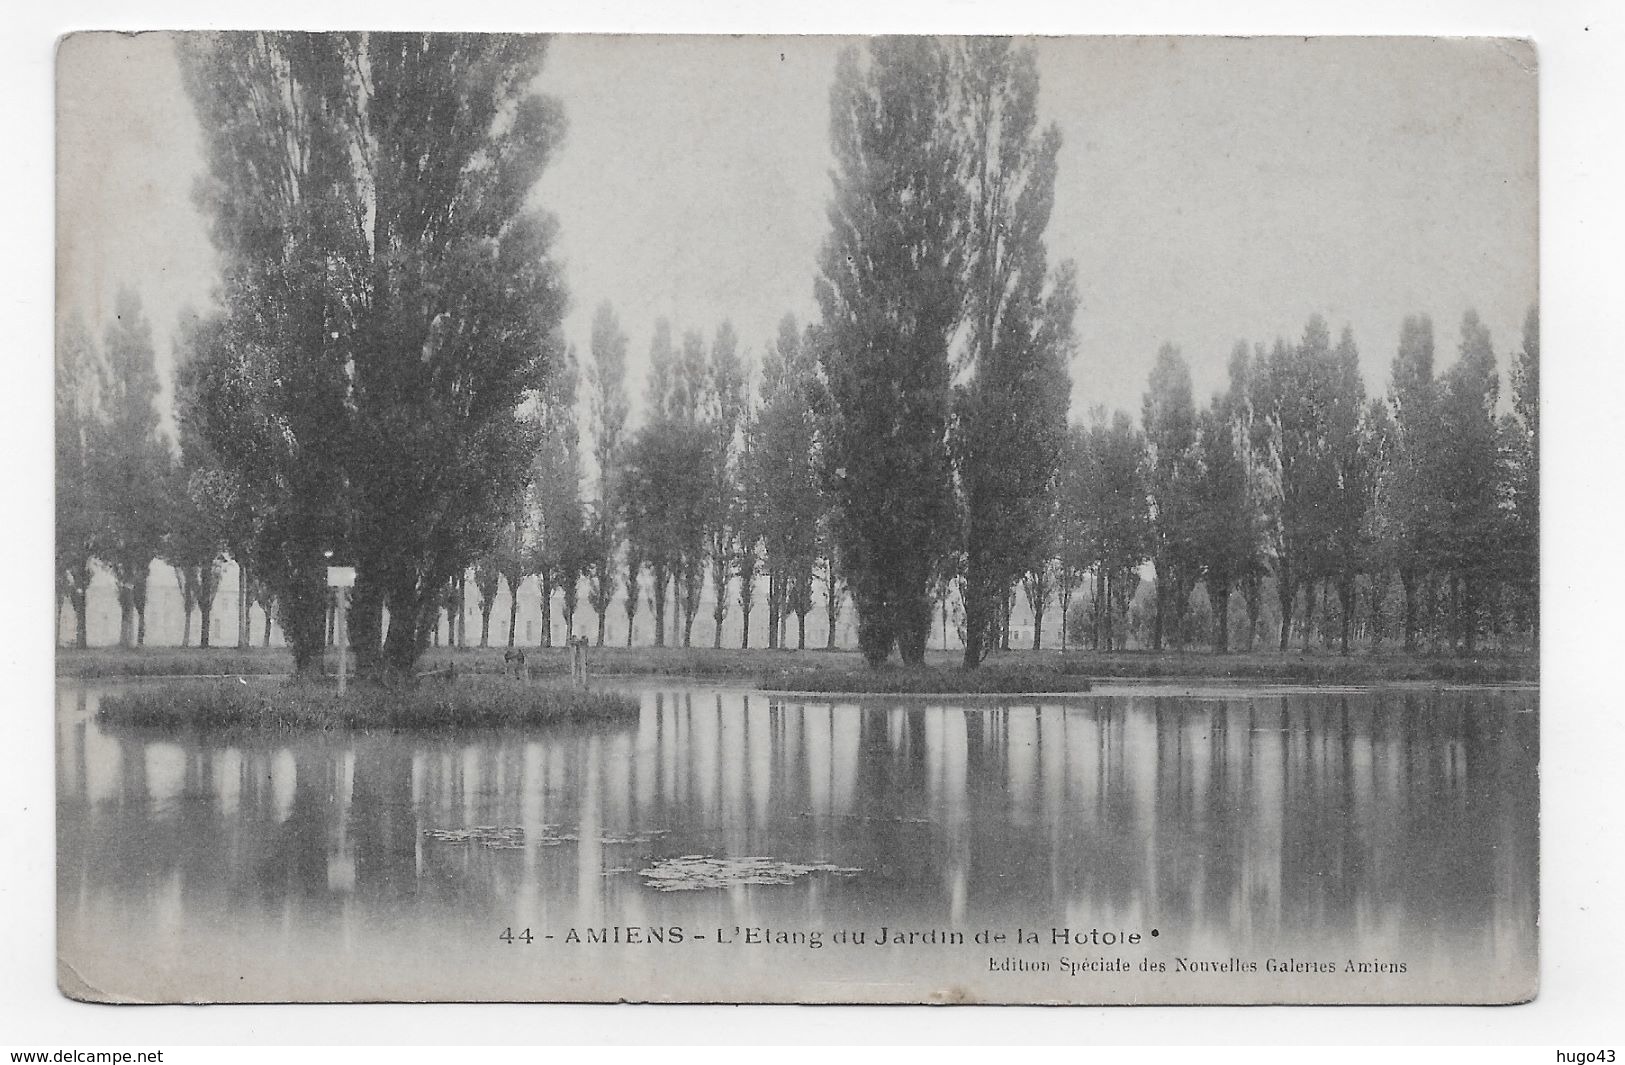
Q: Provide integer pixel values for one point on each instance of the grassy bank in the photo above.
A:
(926, 680)
(172, 662)
(469, 703)
(808, 668)
(1294, 667)
(542, 661)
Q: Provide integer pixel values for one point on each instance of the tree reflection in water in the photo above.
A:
(1342, 822)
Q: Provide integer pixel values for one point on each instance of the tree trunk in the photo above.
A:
(1455, 613)
(1326, 614)
(719, 609)
(1182, 598)
(1408, 588)
(1218, 597)
(1345, 596)
(81, 626)
(1161, 570)
(1038, 629)
(1285, 593)
(801, 631)
(832, 611)
(513, 614)
(913, 630)
(301, 611)
(772, 611)
(243, 634)
(545, 579)
(601, 627)
(1469, 609)
(1252, 593)
(462, 610)
(744, 626)
(675, 613)
(1308, 613)
(1103, 610)
(485, 622)
(414, 622)
(977, 630)
(186, 625)
(205, 610)
(660, 608)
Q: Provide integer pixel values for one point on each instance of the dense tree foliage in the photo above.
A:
(1169, 418)
(390, 302)
(386, 380)
(561, 551)
(667, 475)
(1106, 492)
(609, 409)
(1526, 470)
(1010, 418)
(204, 499)
(129, 463)
(1223, 537)
(76, 494)
(723, 415)
(784, 486)
(891, 291)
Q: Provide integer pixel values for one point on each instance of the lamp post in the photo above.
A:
(341, 579)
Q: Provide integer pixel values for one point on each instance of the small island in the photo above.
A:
(469, 702)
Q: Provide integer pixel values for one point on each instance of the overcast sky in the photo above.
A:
(1209, 189)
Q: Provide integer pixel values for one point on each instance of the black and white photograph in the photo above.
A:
(797, 519)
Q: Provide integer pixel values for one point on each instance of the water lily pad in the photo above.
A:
(493, 836)
(513, 837)
(698, 872)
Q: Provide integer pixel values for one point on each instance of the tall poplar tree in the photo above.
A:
(205, 515)
(1010, 418)
(1169, 419)
(1354, 455)
(130, 463)
(1223, 535)
(1476, 527)
(1413, 494)
(787, 496)
(723, 412)
(559, 557)
(76, 362)
(891, 291)
(1526, 495)
(391, 303)
(1290, 395)
(609, 408)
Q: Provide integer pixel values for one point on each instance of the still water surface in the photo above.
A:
(746, 832)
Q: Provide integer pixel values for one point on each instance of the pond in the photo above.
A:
(1231, 845)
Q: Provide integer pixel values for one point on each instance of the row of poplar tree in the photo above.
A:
(385, 384)
(1415, 514)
